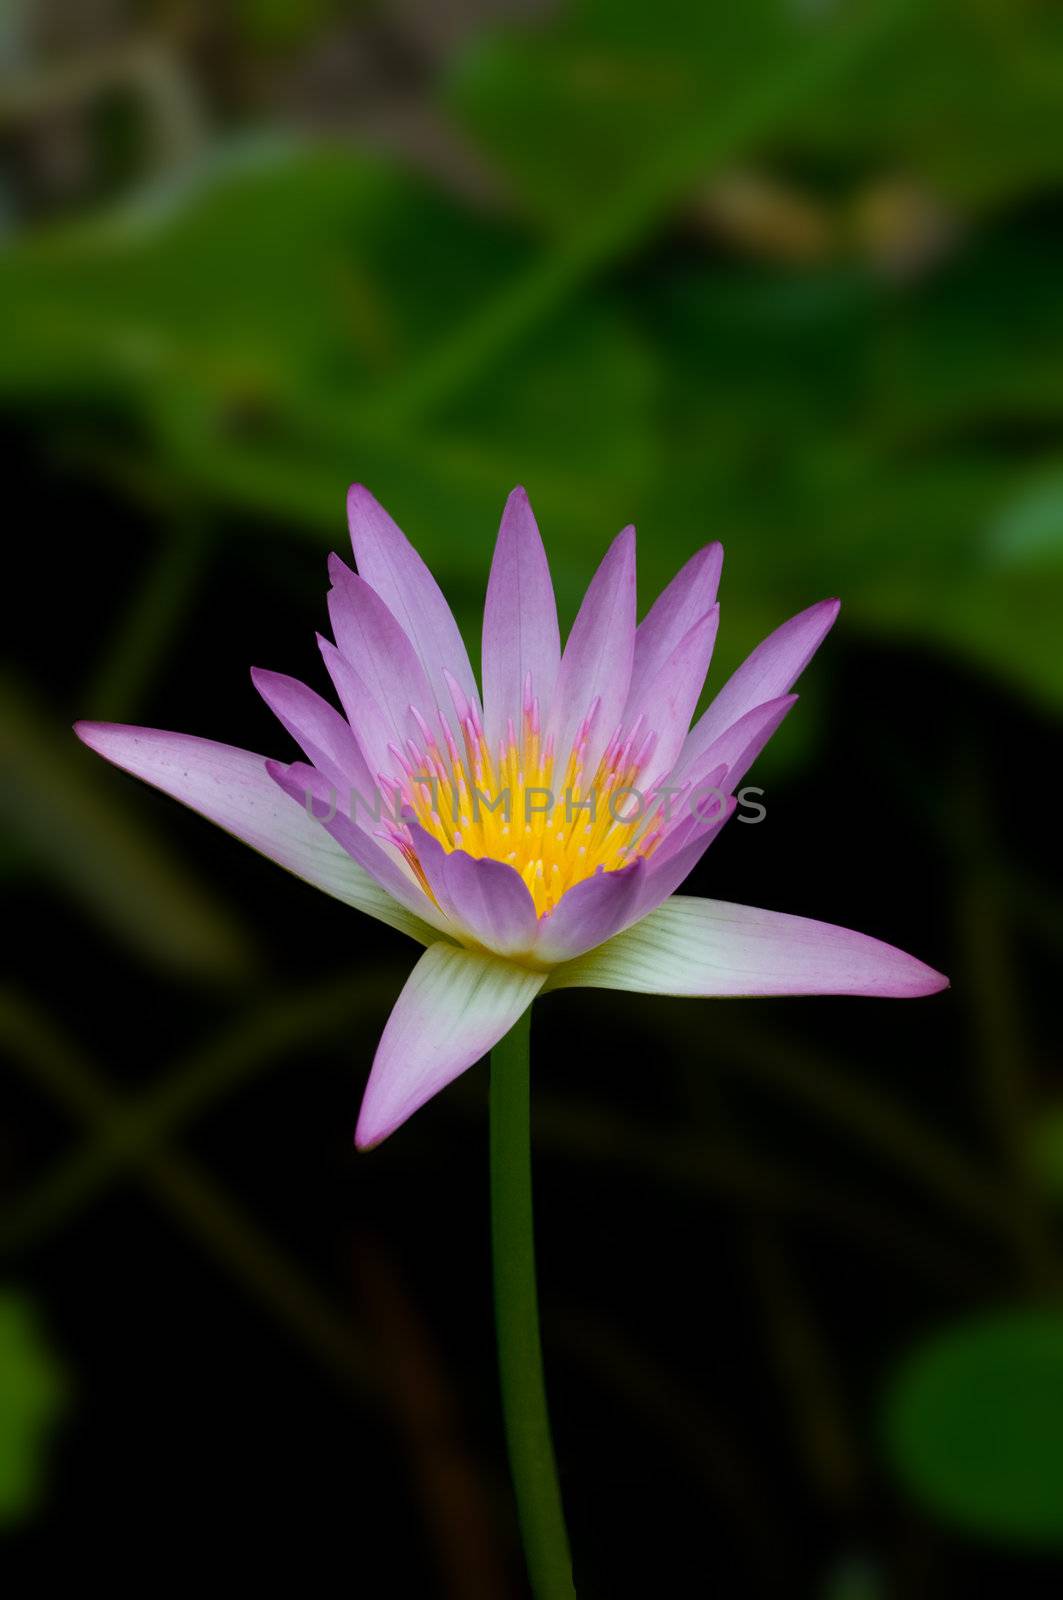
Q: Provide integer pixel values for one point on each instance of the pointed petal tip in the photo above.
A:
(621, 553)
(338, 570)
(710, 555)
(366, 1140)
(359, 495)
(916, 982)
(823, 612)
(97, 735)
(278, 770)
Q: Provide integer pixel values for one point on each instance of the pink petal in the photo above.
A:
(666, 701)
(769, 672)
(455, 1006)
(589, 913)
(670, 867)
(739, 745)
(233, 788)
(486, 899)
(324, 735)
(372, 642)
(708, 947)
(691, 593)
(388, 562)
(520, 635)
(313, 794)
(372, 726)
(596, 665)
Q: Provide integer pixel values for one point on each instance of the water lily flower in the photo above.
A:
(531, 838)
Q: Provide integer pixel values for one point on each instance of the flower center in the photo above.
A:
(515, 805)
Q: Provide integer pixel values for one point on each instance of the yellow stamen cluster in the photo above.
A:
(507, 807)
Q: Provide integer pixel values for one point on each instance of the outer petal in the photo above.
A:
(667, 699)
(486, 899)
(691, 593)
(707, 947)
(596, 664)
(589, 913)
(325, 737)
(234, 789)
(388, 561)
(520, 637)
(312, 793)
(455, 1006)
(770, 671)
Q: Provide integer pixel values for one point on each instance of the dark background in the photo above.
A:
(785, 275)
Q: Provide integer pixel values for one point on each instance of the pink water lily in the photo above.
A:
(532, 839)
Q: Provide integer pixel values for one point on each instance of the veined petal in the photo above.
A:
(589, 913)
(325, 737)
(487, 899)
(456, 1004)
(691, 593)
(708, 947)
(520, 634)
(233, 788)
(596, 665)
(374, 644)
(771, 671)
(319, 805)
(387, 560)
(667, 699)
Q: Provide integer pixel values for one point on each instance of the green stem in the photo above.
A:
(520, 1356)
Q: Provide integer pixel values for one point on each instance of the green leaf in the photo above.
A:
(250, 322)
(973, 1424)
(575, 112)
(965, 97)
(843, 437)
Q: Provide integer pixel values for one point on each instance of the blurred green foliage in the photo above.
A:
(32, 1397)
(974, 1425)
(288, 316)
